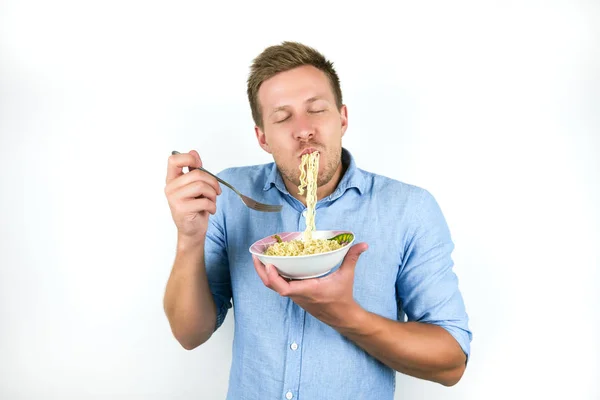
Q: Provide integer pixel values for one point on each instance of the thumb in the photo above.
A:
(352, 256)
(198, 160)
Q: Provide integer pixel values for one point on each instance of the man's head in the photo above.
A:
(296, 103)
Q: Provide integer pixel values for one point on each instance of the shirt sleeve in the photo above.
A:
(426, 284)
(217, 265)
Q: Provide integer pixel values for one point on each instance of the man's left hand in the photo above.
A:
(330, 298)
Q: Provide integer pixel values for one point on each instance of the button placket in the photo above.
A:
(302, 221)
(293, 359)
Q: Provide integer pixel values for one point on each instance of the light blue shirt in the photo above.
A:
(281, 352)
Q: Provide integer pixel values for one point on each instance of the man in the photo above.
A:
(341, 336)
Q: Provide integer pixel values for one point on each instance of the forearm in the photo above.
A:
(188, 301)
(421, 350)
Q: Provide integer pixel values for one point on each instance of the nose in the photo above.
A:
(303, 129)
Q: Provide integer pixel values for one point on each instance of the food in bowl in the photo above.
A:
(304, 266)
(297, 247)
(301, 247)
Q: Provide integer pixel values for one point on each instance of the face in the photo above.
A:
(300, 115)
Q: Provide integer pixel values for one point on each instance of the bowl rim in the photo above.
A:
(347, 246)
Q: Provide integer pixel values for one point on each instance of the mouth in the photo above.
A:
(308, 151)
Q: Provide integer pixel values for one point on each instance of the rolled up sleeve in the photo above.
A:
(217, 267)
(427, 286)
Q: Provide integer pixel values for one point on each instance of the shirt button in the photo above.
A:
(289, 395)
(304, 213)
(294, 346)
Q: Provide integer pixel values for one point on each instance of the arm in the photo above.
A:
(188, 301)
(434, 343)
(420, 350)
(198, 291)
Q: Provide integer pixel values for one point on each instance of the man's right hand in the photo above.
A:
(191, 196)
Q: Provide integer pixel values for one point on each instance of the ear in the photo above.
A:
(262, 139)
(344, 118)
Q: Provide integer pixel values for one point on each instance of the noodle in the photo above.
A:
(309, 172)
(302, 248)
(311, 161)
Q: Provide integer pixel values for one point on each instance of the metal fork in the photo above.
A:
(251, 203)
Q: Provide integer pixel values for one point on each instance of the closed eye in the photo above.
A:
(317, 111)
(283, 120)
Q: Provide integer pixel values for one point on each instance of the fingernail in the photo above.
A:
(268, 268)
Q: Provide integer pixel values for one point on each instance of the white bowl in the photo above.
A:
(302, 267)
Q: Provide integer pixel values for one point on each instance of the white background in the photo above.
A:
(494, 107)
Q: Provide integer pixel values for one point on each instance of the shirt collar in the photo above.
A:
(353, 178)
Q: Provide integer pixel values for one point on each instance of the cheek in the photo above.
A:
(273, 140)
(283, 155)
(333, 126)
(278, 136)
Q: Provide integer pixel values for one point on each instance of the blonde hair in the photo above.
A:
(284, 57)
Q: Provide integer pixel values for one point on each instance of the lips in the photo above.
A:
(308, 151)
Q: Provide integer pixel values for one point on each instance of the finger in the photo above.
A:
(196, 189)
(177, 162)
(276, 281)
(353, 255)
(199, 205)
(197, 157)
(271, 279)
(260, 270)
(193, 176)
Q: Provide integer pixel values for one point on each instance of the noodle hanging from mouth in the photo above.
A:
(309, 174)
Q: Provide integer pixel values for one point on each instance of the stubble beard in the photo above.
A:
(333, 163)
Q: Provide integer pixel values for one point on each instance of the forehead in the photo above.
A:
(293, 87)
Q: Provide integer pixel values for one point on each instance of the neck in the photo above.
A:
(322, 191)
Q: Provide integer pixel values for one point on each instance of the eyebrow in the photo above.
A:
(314, 98)
(311, 100)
